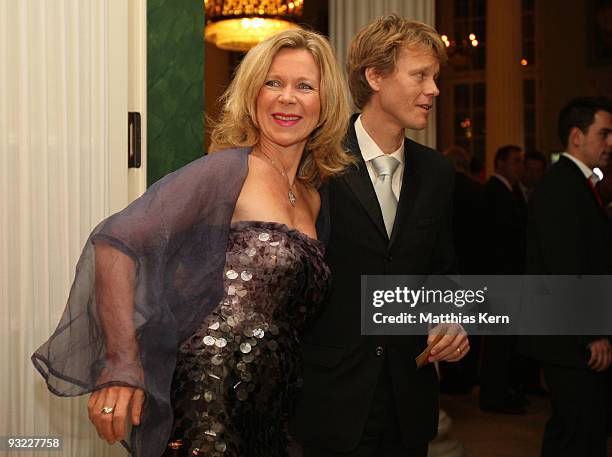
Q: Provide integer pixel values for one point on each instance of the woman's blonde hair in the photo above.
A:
(323, 155)
(378, 45)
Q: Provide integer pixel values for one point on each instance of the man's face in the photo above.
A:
(595, 146)
(533, 172)
(404, 98)
(512, 167)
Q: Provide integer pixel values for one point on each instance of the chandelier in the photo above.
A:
(238, 25)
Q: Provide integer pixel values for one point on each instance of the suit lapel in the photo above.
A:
(584, 182)
(358, 180)
(409, 190)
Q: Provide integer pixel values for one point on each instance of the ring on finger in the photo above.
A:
(107, 410)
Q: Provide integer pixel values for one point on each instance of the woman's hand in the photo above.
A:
(125, 402)
(452, 347)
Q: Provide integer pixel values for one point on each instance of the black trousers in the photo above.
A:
(497, 355)
(381, 436)
(577, 426)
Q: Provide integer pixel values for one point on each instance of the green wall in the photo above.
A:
(175, 85)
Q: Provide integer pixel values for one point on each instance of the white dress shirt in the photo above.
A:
(370, 150)
(584, 168)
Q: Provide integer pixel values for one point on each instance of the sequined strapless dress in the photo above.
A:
(237, 377)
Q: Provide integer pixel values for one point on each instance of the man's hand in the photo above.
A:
(126, 402)
(453, 346)
(601, 355)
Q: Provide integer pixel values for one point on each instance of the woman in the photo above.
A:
(218, 260)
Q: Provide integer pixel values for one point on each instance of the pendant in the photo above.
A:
(292, 198)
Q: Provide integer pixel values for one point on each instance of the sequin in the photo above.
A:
(241, 292)
(246, 376)
(248, 358)
(238, 375)
(221, 342)
(214, 325)
(242, 394)
(216, 359)
(246, 275)
(231, 274)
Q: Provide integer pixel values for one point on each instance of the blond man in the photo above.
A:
(390, 214)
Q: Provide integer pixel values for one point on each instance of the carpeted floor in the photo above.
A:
(496, 435)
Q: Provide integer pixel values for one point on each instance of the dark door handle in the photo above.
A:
(134, 140)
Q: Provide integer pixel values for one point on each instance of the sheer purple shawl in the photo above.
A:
(147, 277)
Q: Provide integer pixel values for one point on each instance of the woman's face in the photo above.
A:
(288, 103)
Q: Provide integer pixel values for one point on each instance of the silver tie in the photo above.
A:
(384, 167)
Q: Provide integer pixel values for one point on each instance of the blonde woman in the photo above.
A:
(186, 315)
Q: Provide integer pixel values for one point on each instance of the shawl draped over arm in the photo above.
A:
(145, 280)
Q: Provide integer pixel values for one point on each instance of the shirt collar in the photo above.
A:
(504, 180)
(584, 168)
(369, 148)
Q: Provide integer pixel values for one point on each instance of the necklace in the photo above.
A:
(290, 195)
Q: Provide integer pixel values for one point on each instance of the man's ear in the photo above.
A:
(374, 78)
(575, 137)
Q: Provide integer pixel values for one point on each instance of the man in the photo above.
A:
(468, 210)
(534, 166)
(390, 214)
(468, 235)
(506, 224)
(506, 213)
(570, 234)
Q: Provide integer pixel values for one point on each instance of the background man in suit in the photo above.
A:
(534, 166)
(506, 225)
(390, 214)
(568, 234)
(468, 234)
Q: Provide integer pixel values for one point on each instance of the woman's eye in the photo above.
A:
(273, 83)
(304, 86)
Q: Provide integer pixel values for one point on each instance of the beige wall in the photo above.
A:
(216, 77)
(565, 69)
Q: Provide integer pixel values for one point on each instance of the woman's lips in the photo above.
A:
(286, 120)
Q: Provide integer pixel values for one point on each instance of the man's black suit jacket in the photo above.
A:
(506, 225)
(568, 234)
(469, 224)
(341, 367)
